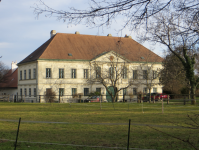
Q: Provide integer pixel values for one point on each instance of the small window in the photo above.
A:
(134, 74)
(29, 73)
(74, 91)
(29, 92)
(134, 91)
(61, 91)
(73, 73)
(85, 73)
(35, 94)
(24, 74)
(20, 75)
(34, 73)
(61, 73)
(86, 91)
(48, 72)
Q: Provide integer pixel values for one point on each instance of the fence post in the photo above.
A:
(59, 98)
(8, 97)
(128, 134)
(167, 99)
(162, 106)
(39, 98)
(153, 98)
(17, 133)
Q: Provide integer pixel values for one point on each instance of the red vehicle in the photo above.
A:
(157, 96)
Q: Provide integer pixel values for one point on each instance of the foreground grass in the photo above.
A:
(80, 131)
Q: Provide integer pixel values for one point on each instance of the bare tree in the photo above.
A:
(134, 12)
(3, 73)
(164, 30)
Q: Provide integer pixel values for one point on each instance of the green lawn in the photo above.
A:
(87, 124)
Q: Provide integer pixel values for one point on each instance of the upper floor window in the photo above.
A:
(154, 90)
(124, 73)
(145, 75)
(73, 73)
(61, 73)
(111, 72)
(48, 72)
(29, 74)
(24, 74)
(85, 73)
(98, 72)
(34, 73)
(20, 75)
(135, 75)
(145, 90)
(154, 74)
(134, 91)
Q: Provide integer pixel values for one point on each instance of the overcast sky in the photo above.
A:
(22, 33)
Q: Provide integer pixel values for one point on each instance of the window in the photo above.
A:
(73, 73)
(74, 91)
(86, 91)
(20, 75)
(98, 72)
(124, 74)
(61, 91)
(20, 92)
(35, 94)
(85, 73)
(134, 91)
(29, 73)
(29, 92)
(25, 92)
(61, 73)
(98, 90)
(145, 90)
(154, 90)
(154, 74)
(124, 91)
(145, 76)
(111, 72)
(134, 74)
(34, 73)
(48, 72)
(24, 74)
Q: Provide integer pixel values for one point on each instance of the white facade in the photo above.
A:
(34, 78)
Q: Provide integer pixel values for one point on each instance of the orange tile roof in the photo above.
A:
(11, 79)
(87, 47)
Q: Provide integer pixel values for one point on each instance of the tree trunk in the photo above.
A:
(149, 95)
(193, 97)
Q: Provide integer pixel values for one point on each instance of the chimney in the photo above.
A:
(13, 66)
(109, 35)
(126, 36)
(77, 32)
(52, 33)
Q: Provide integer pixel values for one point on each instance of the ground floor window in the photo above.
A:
(134, 91)
(29, 92)
(98, 90)
(154, 90)
(86, 91)
(61, 91)
(145, 90)
(35, 92)
(74, 91)
(124, 91)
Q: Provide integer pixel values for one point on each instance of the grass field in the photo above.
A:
(86, 124)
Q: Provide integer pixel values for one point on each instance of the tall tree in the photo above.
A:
(3, 71)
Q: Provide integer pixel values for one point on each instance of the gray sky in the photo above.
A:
(22, 33)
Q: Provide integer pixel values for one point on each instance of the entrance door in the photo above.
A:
(108, 96)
